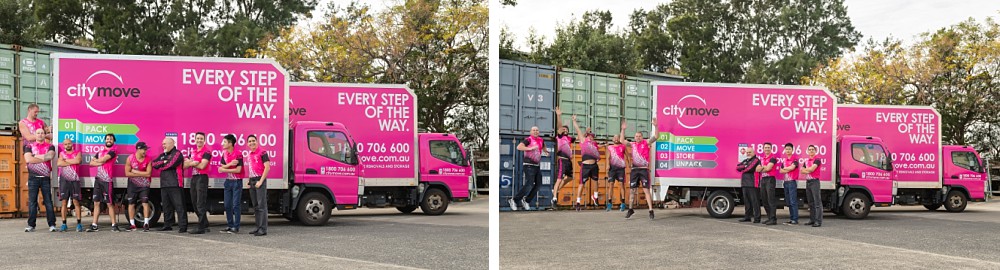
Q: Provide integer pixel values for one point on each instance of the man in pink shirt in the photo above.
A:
(69, 181)
(768, 170)
(533, 146)
(639, 150)
(616, 170)
(790, 174)
(811, 171)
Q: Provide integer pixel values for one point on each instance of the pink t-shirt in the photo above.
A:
(39, 148)
(139, 165)
(70, 172)
(565, 145)
(104, 171)
(254, 163)
(616, 156)
(814, 174)
(640, 154)
(235, 155)
(764, 160)
(589, 150)
(793, 174)
(533, 156)
(32, 126)
(198, 155)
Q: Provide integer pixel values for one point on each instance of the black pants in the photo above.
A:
(258, 199)
(199, 199)
(532, 181)
(767, 197)
(751, 203)
(173, 200)
(815, 201)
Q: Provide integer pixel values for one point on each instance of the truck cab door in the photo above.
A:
(867, 164)
(328, 159)
(443, 161)
(963, 167)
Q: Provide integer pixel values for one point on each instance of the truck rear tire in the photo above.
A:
(956, 201)
(720, 204)
(932, 207)
(314, 209)
(435, 202)
(155, 212)
(856, 206)
(407, 209)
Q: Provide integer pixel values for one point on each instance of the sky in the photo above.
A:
(900, 19)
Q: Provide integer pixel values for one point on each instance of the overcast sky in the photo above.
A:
(874, 19)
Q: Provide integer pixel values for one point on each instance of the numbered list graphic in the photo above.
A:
(93, 133)
(686, 152)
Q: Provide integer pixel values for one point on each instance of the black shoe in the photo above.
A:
(197, 232)
(234, 231)
(253, 232)
(792, 222)
(816, 225)
(628, 214)
(182, 230)
(260, 234)
(809, 223)
(93, 228)
(650, 214)
(771, 222)
(756, 221)
(165, 229)
(114, 228)
(226, 230)
(745, 220)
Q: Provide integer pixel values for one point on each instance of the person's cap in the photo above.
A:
(141, 145)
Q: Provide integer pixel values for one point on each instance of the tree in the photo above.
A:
(588, 44)
(17, 25)
(438, 48)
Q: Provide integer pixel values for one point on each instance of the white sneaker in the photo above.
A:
(52, 228)
(525, 204)
(513, 205)
(29, 229)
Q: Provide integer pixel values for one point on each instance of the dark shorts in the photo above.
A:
(616, 174)
(69, 189)
(136, 194)
(640, 176)
(565, 167)
(588, 172)
(102, 191)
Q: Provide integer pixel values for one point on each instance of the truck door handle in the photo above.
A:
(311, 171)
(854, 175)
(433, 172)
(954, 177)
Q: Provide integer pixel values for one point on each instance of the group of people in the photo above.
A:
(139, 167)
(760, 173)
(638, 158)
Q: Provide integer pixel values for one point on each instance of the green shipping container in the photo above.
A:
(574, 91)
(606, 109)
(7, 105)
(35, 68)
(638, 107)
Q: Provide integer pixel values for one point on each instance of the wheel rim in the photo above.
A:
(857, 205)
(955, 200)
(314, 209)
(720, 205)
(434, 201)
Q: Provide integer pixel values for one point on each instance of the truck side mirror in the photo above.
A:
(349, 156)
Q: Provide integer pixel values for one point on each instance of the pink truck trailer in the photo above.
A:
(703, 127)
(316, 166)
(926, 172)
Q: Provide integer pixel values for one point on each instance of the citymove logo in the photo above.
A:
(692, 111)
(103, 91)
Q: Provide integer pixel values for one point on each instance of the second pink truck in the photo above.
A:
(704, 130)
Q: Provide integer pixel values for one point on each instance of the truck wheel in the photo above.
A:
(407, 209)
(856, 206)
(314, 209)
(720, 204)
(956, 201)
(435, 202)
(932, 207)
(154, 212)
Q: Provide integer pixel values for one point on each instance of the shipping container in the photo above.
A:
(7, 101)
(566, 199)
(527, 98)
(574, 93)
(8, 176)
(638, 107)
(26, 78)
(512, 177)
(606, 108)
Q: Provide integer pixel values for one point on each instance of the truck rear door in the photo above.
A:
(327, 159)
(443, 161)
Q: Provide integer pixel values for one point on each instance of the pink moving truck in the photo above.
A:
(702, 128)
(358, 148)
(926, 172)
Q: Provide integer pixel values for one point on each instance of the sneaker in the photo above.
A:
(628, 215)
(145, 227)
(63, 228)
(131, 228)
(29, 229)
(622, 208)
(817, 225)
(52, 228)
(513, 205)
(792, 222)
(577, 206)
(525, 204)
(650, 214)
(79, 228)
(114, 228)
(234, 231)
(609, 208)
(226, 230)
(93, 228)
(554, 201)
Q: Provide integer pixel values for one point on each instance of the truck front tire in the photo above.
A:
(932, 207)
(956, 201)
(720, 204)
(407, 209)
(435, 202)
(314, 209)
(856, 206)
